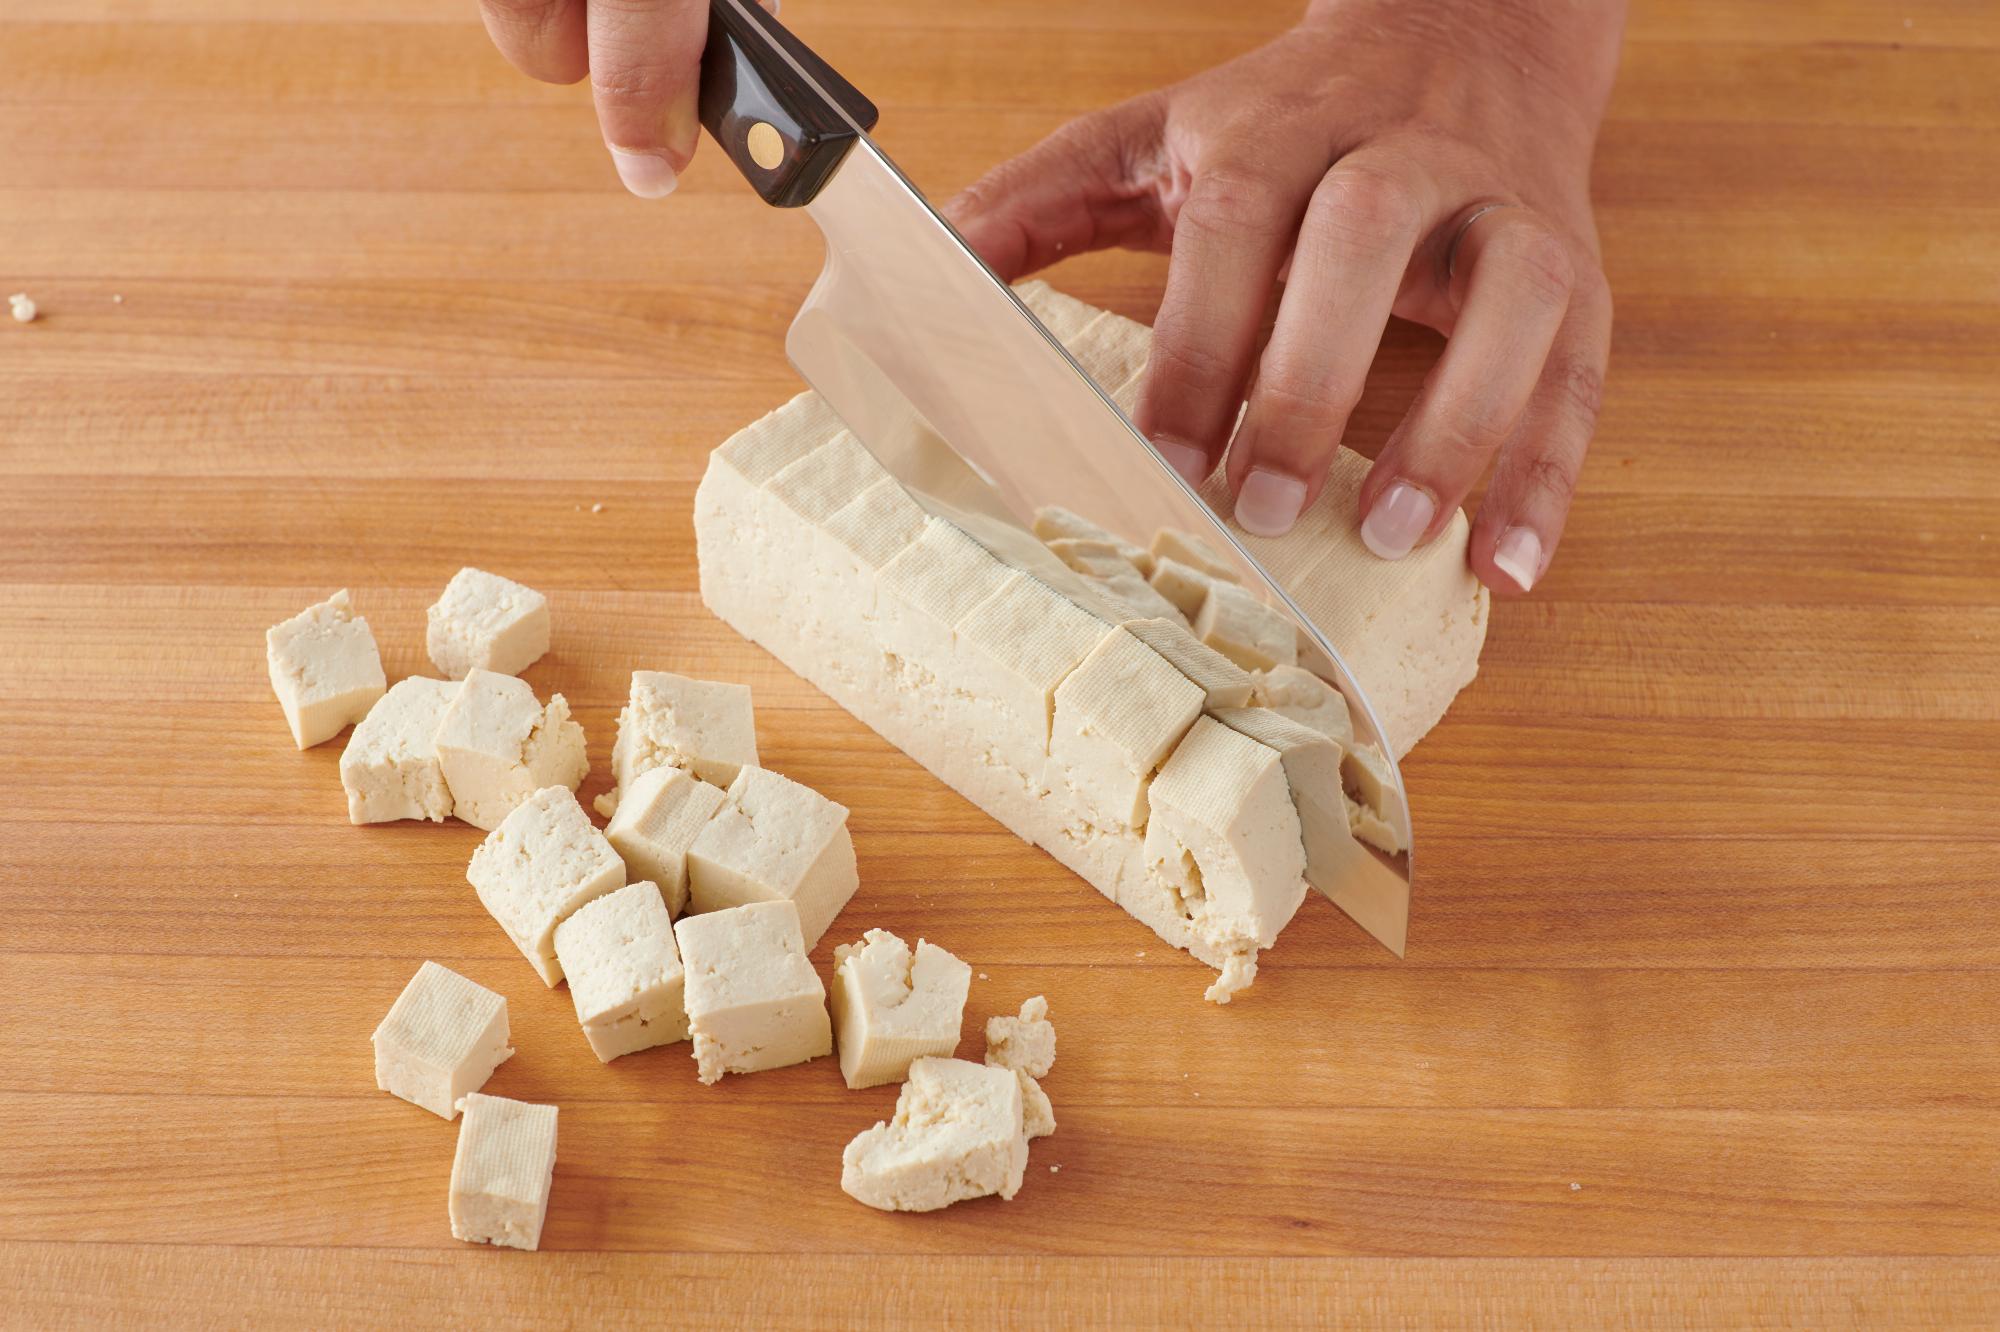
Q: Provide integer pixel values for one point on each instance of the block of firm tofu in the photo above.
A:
(704, 726)
(892, 1005)
(543, 862)
(662, 813)
(502, 1170)
(497, 746)
(773, 839)
(390, 768)
(324, 669)
(443, 1038)
(753, 1000)
(1117, 715)
(617, 952)
(484, 622)
(958, 1133)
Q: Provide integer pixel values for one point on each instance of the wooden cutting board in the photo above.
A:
(1700, 1020)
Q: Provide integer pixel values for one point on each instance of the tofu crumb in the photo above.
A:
(22, 307)
(597, 508)
(1575, 1187)
(1055, 1169)
(117, 298)
(982, 975)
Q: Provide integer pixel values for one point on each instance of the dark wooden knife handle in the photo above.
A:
(785, 117)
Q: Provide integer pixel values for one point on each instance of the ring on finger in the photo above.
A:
(1458, 236)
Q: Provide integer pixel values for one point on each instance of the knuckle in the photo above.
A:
(1187, 360)
(1553, 477)
(1367, 203)
(1237, 200)
(1579, 386)
(1469, 429)
(633, 84)
(1294, 391)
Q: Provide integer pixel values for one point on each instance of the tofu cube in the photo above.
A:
(958, 1133)
(891, 1006)
(753, 1000)
(484, 622)
(1012, 650)
(497, 746)
(1245, 630)
(543, 862)
(928, 588)
(1182, 584)
(771, 840)
(1117, 716)
(501, 1173)
(443, 1038)
(827, 479)
(324, 669)
(624, 972)
(1225, 835)
(1365, 773)
(656, 823)
(705, 727)
(1224, 684)
(1054, 523)
(1026, 1043)
(1173, 544)
(875, 526)
(1295, 692)
(390, 768)
(1312, 773)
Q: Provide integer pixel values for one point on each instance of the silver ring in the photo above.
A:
(1458, 237)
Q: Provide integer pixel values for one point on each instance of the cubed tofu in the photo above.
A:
(1026, 1042)
(1224, 684)
(657, 821)
(1368, 782)
(1011, 652)
(774, 839)
(1312, 772)
(624, 971)
(1295, 692)
(501, 1173)
(958, 1133)
(705, 727)
(497, 746)
(1224, 833)
(1195, 552)
(875, 526)
(543, 862)
(443, 1038)
(1245, 630)
(1117, 715)
(928, 588)
(827, 479)
(324, 669)
(1182, 584)
(892, 1005)
(485, 622)
(390, 768)
(753, 1000)
(1054, 523)
(1114, 579)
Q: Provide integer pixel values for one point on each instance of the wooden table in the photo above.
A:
(1700, 1020)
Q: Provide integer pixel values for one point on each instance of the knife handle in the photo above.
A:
(784, 116)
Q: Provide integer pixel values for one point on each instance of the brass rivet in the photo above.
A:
(767, 149)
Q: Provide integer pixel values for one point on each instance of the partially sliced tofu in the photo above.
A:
(1224, 684)
(928, 588)
(1245, 630)
(1312, 774)
(1117, 716)
(1011, 652)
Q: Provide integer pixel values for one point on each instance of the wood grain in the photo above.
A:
(1700, 1023)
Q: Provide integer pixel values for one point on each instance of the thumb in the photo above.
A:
(1091, 184)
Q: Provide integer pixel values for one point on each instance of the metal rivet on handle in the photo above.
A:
(767, 148)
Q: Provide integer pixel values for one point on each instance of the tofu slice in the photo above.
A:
(1182, 584)
(442, 1039)
(655, 825)
(502, 1171)
(1224, 684)
(893, 1004)
(1117, 715)
(753, 1000)
(958, 1133)
(390, 768)
(774, 839)
(1312, 763)
(1188, 549)
(324, 669)
(488, 623)
(1012, 650)
(706, 727)
(875, 526)
(497, 746)
(1114, 578)
(1295, 692)
(1245, 630)
(543, 862)
(624, 971)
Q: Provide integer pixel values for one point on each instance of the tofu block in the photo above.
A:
(705, 727)
(1187, 549)
(928, 588)
(1312, 763)
(390, 768)
(1295, 692)
(1223, 682)
(772, 840)
(442, 1039)
(657, 821)
(484, 622)
(1245, 630)
(624, 971)
(958, 1133)
(1117, 715)
(1054, 523)
(497, 746)
(501, 1173)
(1182, 584)
(892, 1005)
(1225, 835)
(1026, 1043)
(753, 1000)
(1011, 652)
(324, 669)
(543, 862)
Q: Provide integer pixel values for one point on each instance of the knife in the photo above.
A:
(954, 385)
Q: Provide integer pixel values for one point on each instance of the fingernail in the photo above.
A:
(1519, 555)
(648, 175)
(1401, 515)
(1269, 502)
(1189, 461)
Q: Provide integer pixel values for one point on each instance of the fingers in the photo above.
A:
(543, 39)
(1511, 280)
(1230, 239)
(1360, 229)
(1515, 534)
(1085, 187)
(645, 70)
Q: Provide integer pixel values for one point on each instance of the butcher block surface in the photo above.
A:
(1700, 1022)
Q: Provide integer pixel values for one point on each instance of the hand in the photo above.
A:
(1423, 158)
